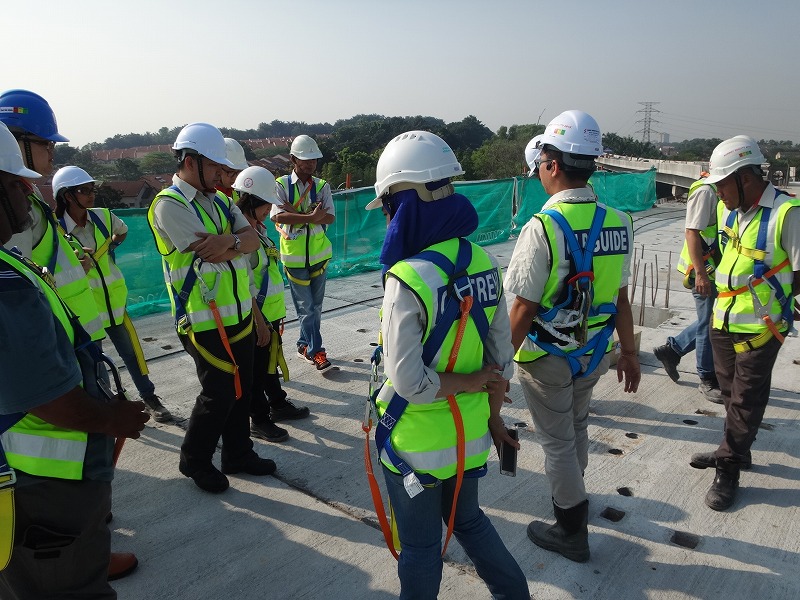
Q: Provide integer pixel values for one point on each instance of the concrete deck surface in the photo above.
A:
(309, 532)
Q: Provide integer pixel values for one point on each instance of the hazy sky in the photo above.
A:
(717, 67)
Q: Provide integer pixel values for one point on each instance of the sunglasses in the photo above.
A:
(86, 190)
(39, 142)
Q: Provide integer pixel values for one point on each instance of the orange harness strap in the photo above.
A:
(756, 282)
(237, 382)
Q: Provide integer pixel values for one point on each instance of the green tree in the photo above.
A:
(127, 169)
(154, 163)
(108, 197)
(628, 146)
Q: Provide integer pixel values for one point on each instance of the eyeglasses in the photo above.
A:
(538, 162)
(85, 190)
(50, 145)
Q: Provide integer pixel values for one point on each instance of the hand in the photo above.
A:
(263, 334)
(497, 428)
(628, 366)
(85, 259)
(288, 207)
(127, 418)
(488, 379)
(318, 214)
(702, 284)
(212, 246)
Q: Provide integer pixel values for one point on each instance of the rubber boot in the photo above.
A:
(569, 536)
(723, 490)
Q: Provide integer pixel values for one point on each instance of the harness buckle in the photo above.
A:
(8, 478)
(761, 310)
(458, 291)
(208, 294)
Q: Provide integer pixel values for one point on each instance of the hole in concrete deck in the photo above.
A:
(166, 347)
(690, 421)
(373, 344)
(615, 451)
(149, 339)
(358, 360)
(612, 514)
(633, 436)
(375, 286)
(361, 330)
(686, 540)
(625, 491)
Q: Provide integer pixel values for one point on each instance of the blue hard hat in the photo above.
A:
(29, 112)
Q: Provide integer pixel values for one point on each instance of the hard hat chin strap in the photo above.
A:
(739, 188)
(26, 145)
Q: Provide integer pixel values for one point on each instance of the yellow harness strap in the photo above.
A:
(313, 274)
(135, 343)
(219, 363)
(7, 523)
(276, 357)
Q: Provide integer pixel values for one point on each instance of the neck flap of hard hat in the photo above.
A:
(416, 224)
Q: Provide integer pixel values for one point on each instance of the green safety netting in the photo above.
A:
(357, 235)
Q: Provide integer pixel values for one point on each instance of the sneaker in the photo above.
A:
(157, 410)
(301, 352)
(669, 360)
(710, 389)
(269, 431)
(286, 411)
(321, 361)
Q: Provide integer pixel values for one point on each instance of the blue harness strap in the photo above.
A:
(581, 258)
(458, 287)
(760, 267)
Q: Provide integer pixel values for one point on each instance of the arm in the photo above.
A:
(263, 329)
(702, 283)
(522, 314)
(293, 218)
(217, 248)
(79, 411)
(628, 362)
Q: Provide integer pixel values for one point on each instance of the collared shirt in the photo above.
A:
(529, 269)
(701, 208)
(85, 234)
(325, 196)
(403, 326)
(178, 224)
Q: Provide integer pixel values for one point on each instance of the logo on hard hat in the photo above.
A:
(559, 131)
(18, 110)
(591, 135)
(248, 183)
(743, 154)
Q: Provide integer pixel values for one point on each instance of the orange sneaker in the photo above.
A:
(321, 361)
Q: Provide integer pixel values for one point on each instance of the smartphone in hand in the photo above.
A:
(508, 455)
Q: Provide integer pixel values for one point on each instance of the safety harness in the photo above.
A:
(287, 232)
(579, 301)
(209, 295)
(276, 356)
(459, 307)
(761, 274)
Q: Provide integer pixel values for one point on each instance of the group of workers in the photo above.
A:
(449, 341)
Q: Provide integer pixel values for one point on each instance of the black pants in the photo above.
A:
(744, 379)
(266, 390)
(62, 543)
(217, 413)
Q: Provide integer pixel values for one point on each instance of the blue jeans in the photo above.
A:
(419, 526)
(308, 304)
(696, 337)
(124, 344)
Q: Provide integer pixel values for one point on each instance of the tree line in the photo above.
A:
(352, 146)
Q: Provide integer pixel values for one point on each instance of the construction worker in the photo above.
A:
(532, 152)
(234, 153)
(301, 219)
(757, 278)
(98, 232)
(255, 188)
(440, 406)
(563, 317)
(201, 235)
(58, 435)
(33, 123)
(699, 248)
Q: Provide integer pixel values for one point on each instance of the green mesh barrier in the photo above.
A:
(503, 206)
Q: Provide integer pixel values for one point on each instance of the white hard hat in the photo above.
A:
(203, 139)
(733, 154)
(532, 152)
(258, 182)
(414, 157)
(305, 148)
(235, 153)
(11, 157)
(67, 177)
(574, 132)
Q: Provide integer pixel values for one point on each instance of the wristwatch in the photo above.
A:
(236, 242)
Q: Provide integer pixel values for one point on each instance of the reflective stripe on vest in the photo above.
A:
(231, 282)
(72, 284)
(745, 253)
(303, 246)
(425, 435)
(105, 278)
(708, 235)
(268, 281)
(611, 249)
(33, 445)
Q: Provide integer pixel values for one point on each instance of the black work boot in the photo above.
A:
(569, 536)
(723, 490)
(669, 359)
(708, 460)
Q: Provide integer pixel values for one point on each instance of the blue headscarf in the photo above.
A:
(416, 225)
